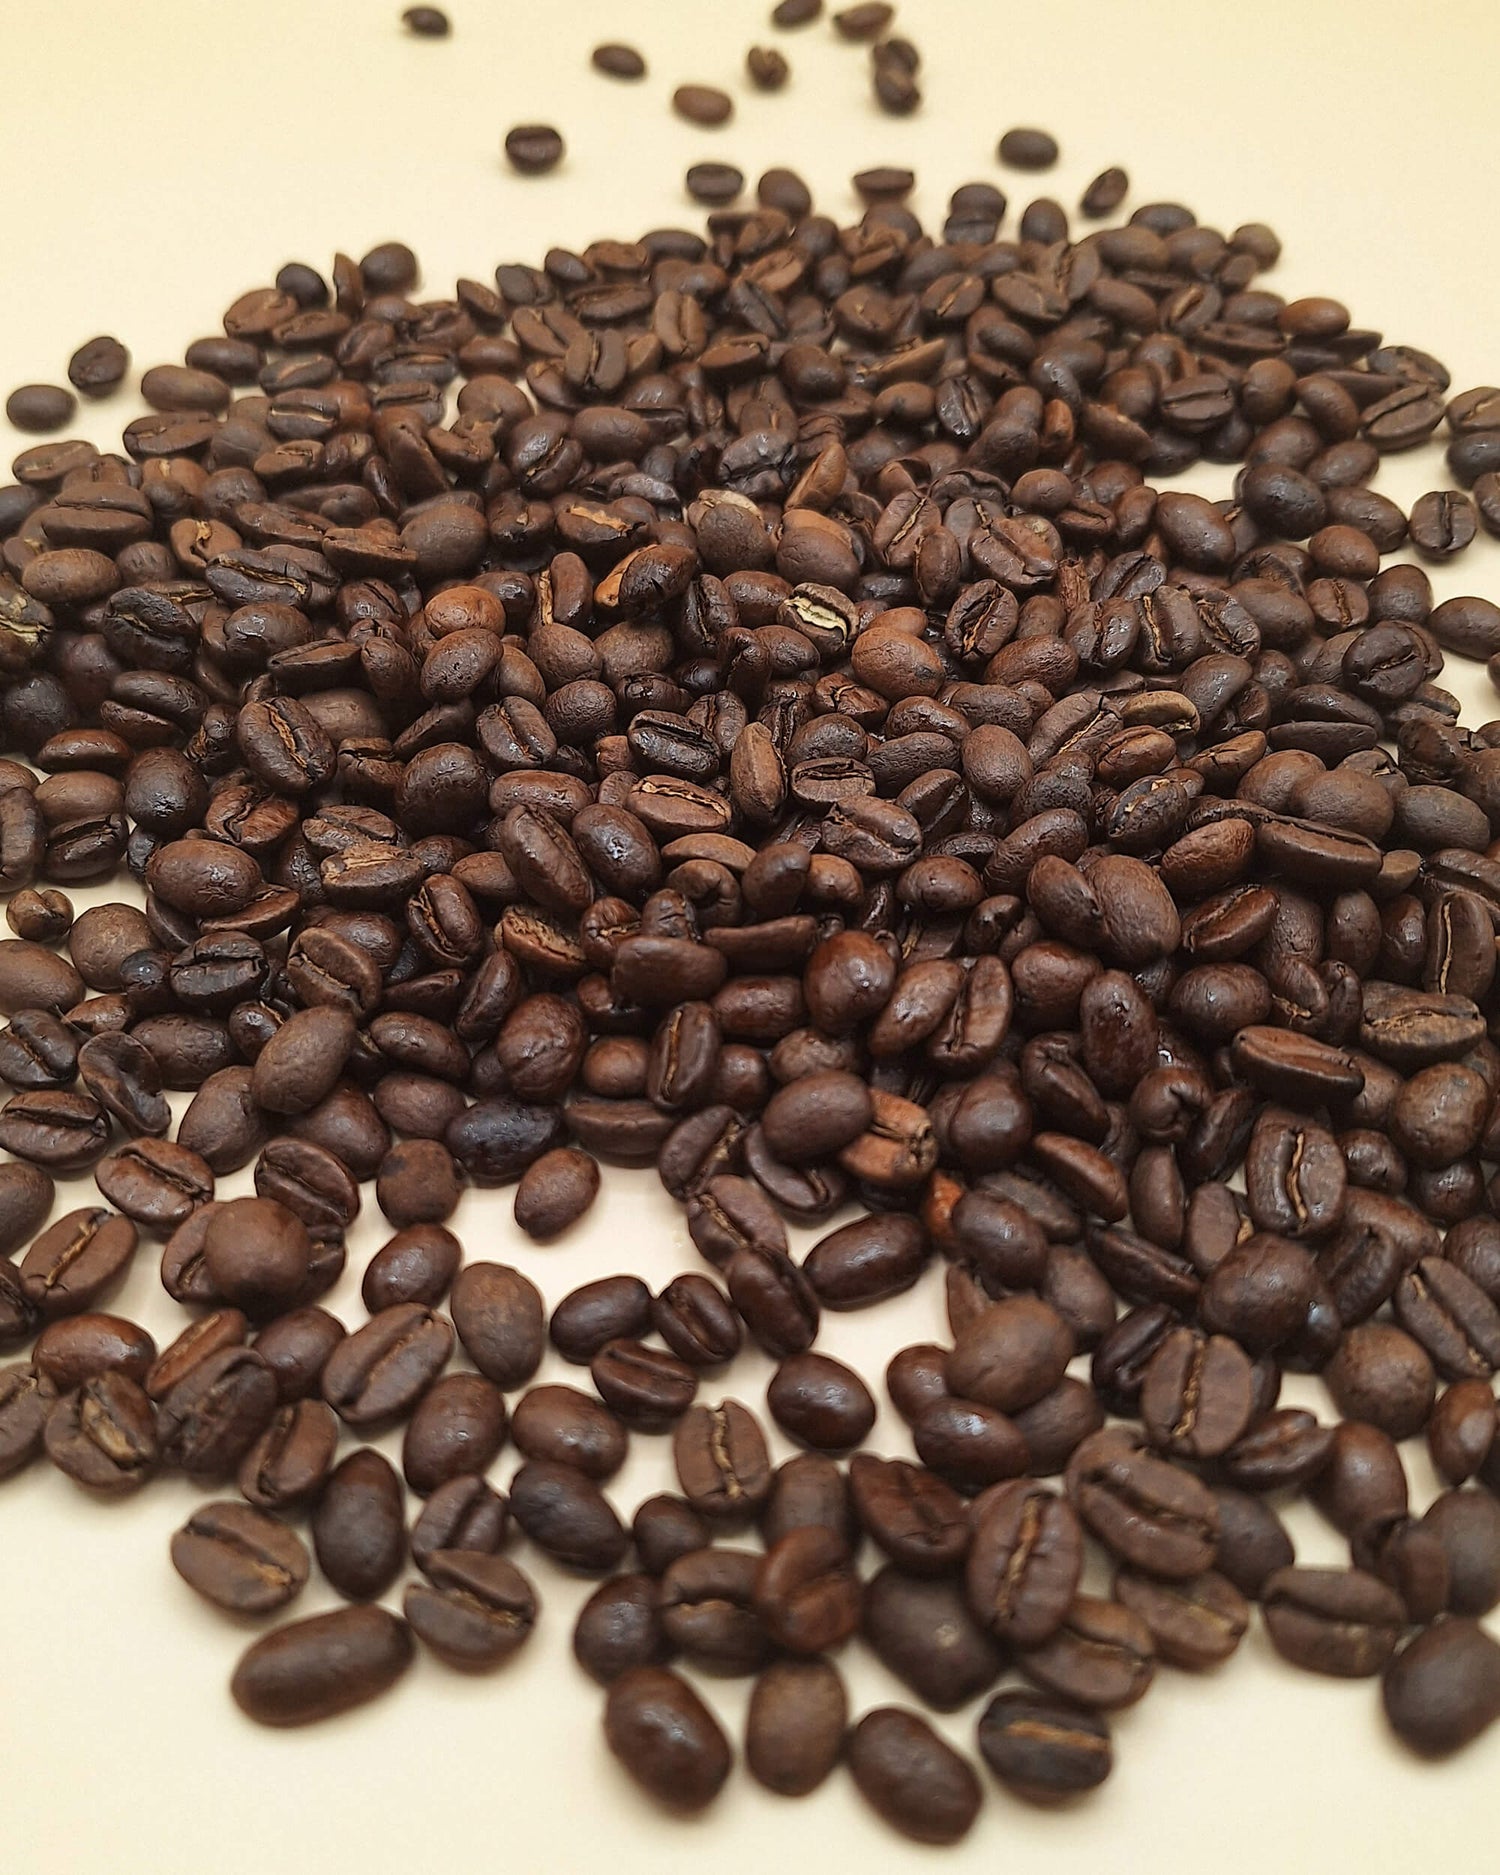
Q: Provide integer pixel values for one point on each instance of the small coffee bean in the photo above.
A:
(618, 61)
(474, 1610)
(1028, 149)
(666, 1738)
(795, 1725)
(321, 1666)
(911, 1778)
(618, 1628)
(1443, 1689)
(704, 105)
(533, 149)
(240, 1559)
(1043, 1748)
(1338, 1621)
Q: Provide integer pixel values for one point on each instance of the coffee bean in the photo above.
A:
(1028, 149)
(566, 1514)
(715, 183)
(474, 1610)
(666, 1738)
(240, 1559)
(1024, 1562)
(703, 104)
(533, 149)
(911, 1778)
(555, 1191)
(722, 1462)
(807, 1591)
(794, 1729)
(924, 1632)
(379, 1372)
(75, 1263)
(426, 22)
(618, 61)
(501, 1321)
(1044, 1748)
(98, 366)
(104, 1435)
(464, 1514)
(572, 1428)
(40, 407)
(323, 1665)
(1335, 1621)
(914, 1517)
(1443, 1689)
(619, 1628)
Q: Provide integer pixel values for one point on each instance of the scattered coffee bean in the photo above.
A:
(533, 149)
(705, 105)
(618, 61)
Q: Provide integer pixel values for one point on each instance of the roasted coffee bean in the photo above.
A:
(806, 1591)
(1338, 1621)
(474, 1610)
(291, 1460)
(666, 1738)
(821, 1403)
(1024, 1561)
(618, 1628)
(924, 1631)
(321, 1666)
(104, 1435)
(1443, 1689)
(457, 1426)
(75, 1263)
(464, 1514)
(1044, 1748)
(722, 1462)
(555, 1191)
(562, 1424)
(216, 1411)
(702, 104)
(618, 61)
(1467, 1524)
(240, 1559)
(379, 1372)
(501, 1321)
(1016, 1351)
(533, 149)
(1151, 1514)
(911, 1778)
(795, 1726)
(26, 1194)
(26, 1400)
(566, 1514)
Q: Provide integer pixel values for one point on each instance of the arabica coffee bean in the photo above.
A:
(666, 1738)
(794, 1730)
(1339, 1621)
(473, 1611)
(533, 149)
(820, 1402)
(566, 1514)
(911, 1777)
(704, 105)
(358, 1528)
(324, 1665)
(501, 1321)
(1443, 1689)
(104, 1435)
(555, 1191)
(619, 1627)
(925, 1633)
(1044, 1748)
(240, 1558)
(618, 61)
(25, 1199)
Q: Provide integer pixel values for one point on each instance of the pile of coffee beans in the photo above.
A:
(770, 728)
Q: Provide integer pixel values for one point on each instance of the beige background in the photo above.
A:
(158, 158)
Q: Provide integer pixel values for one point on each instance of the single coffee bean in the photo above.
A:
(795, 1725)
(666, 1738)
(920, 1522)
(572, 1428)
(555, 1191)
(26, 1194)
(457, 1426)
(501, 1321)
(807, 1591)
(820, 1403)
(290, 1462)
(911, 1778)
(316, 1668)
(240, 1558)
(104, 1435)
(618, 1628)
(1024, 1562)
(1043, 1748)
(704, 105)
(26, 1400)
(464, 1514)
(533, 149)
(75, 1263)
(721, 1460)
(618, 61)
(1443, 1689)
(925, 1633)
(1338, 1621)
(379, 1372)
(474, 1610)
(565, 1514)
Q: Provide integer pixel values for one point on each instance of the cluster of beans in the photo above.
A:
(773, 730)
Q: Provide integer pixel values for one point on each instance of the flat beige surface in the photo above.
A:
(160, 157)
